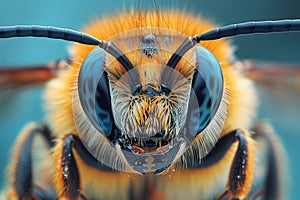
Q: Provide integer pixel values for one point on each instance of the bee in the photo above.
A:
(150, 105)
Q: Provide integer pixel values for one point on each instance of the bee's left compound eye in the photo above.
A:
(92, 112)
(93, 91)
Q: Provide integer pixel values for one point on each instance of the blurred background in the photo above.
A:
(280, 105)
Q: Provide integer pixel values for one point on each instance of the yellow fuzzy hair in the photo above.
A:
(241, 102)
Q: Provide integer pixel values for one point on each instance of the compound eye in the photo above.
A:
(93, 91)
(92, 112)
(207, 91)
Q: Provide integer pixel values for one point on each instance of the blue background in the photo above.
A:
(280, 105)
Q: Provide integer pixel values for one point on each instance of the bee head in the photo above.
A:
(147, 100)
(149, 95)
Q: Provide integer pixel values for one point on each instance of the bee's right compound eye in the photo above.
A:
(206, 108)
(206, 93)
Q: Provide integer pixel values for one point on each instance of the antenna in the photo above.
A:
(232, 30)
(250, 28)
(47, 31)
(64, 34)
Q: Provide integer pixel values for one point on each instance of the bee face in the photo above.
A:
(144, 95)
(149, 113)
(149, 108)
